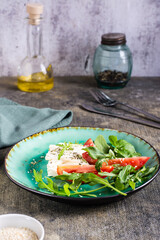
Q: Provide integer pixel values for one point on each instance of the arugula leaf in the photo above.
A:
(41, 184)
(94, 153)
(117, 168)
(111, 154)
(142, 174)
(61, 153)
(107, 174)
(75, 184)
(124, 173)
(84, 177)
(99, 163)
(124, 178)
(132, 184)
(121, 178)
(122, 148)
(101, 144)
(119, 184)
(97, 154)
(65, 147)
(50, 184)
(145, 171)
(113, 140)
(102, 153)
(107, 184)
(69, 176)
(128, 176)
(91, 177)
(123, 144)
(66, 189)
(90, 195)
(105, 157)
(38, 175)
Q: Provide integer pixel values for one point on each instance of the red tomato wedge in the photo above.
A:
(85, 155)
(89, 143)
(107, 168)
(136, 162)
(82, 169)
(75, 168)
(90, 160)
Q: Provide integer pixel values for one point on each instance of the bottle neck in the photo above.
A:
(34, 40)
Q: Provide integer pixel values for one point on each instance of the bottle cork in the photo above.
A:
(35, 10)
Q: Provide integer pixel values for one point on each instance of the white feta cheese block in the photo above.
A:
(70, 156)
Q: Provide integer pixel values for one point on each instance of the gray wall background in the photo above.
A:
(72, 29)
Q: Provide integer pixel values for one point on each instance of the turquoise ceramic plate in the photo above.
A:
(30, 152)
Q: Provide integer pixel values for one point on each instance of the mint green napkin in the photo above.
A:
(18, 122)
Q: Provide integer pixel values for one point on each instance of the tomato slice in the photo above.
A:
(76, 169)
(82, 169)
(107, 168)
(136, 162)
(89, 143)
(85, 155)
(90, 160)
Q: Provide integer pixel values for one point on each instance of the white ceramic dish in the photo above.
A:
(24, 221)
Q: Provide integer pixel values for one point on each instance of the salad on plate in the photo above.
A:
(115, 165)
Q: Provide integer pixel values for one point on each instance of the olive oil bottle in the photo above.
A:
(34, 73)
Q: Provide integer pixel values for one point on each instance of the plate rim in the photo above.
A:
(79, 198)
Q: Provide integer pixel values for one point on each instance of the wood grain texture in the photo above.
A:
(136, 217)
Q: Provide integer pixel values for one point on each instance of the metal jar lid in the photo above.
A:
(113, 39)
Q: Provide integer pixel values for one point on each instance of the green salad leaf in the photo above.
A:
(99, 163)
(66, 189)
(117, 181)
(132, 184)
(65, 146)
(106, 157)
(101, 144)
(94, 152)
(118, 149)
(124, 174)
(113, 140)
(122, 148)
(89, 178)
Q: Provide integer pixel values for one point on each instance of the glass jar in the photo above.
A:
(112, 64)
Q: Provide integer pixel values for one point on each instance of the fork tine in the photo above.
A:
(102, 95)
(102, 98)
(95, 95)
(98, 96)
(105, 97)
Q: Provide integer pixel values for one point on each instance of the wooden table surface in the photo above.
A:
(134, 218)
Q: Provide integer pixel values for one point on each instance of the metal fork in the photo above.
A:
(105, 100)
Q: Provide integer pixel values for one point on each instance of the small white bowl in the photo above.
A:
(24, 221)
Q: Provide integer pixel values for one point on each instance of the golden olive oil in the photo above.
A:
(37, 82)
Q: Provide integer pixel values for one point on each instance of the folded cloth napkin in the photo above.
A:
(18, 122)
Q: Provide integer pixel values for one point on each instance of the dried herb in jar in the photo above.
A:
(112, 76)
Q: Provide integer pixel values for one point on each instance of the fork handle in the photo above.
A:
(148, 115)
